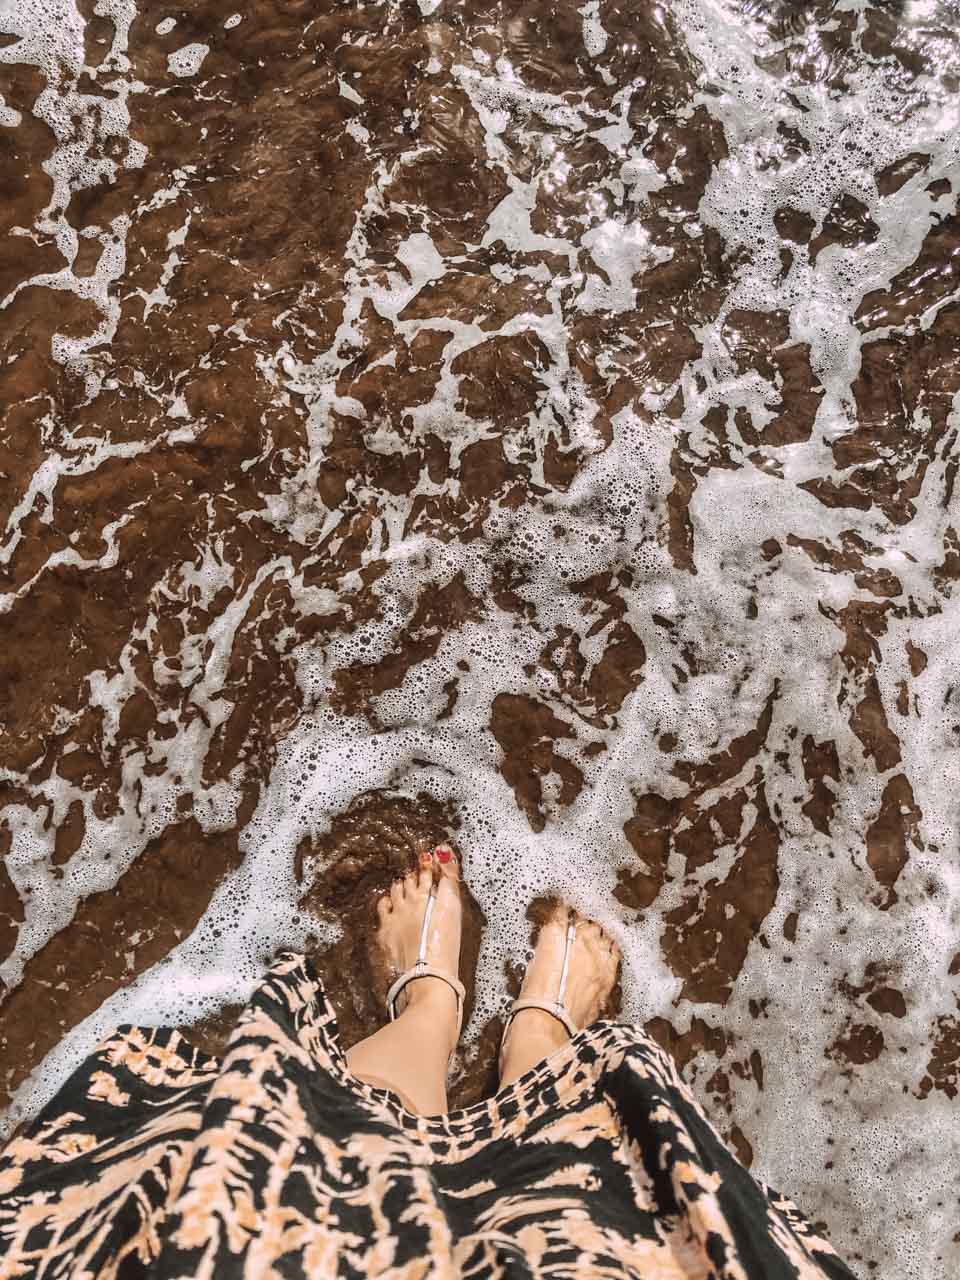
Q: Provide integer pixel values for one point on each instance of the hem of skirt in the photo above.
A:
(196, 1062)
(516, 1101)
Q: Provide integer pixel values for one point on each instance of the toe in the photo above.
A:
(447, 861)
(384, 908)
(561, 917)
(424, 876)
(551, 939)
(412, 885)
(591, 933)
(396, 894)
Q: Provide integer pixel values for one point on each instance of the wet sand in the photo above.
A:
(558, 404)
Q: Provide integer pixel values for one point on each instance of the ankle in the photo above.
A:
(533, 1035)
(537, 1024)
(431, 1000)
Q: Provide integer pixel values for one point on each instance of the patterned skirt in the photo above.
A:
(156, 1159)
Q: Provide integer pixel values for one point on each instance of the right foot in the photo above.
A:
(534, 1034)
(400, 914)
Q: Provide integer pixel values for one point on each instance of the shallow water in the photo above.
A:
(537, 422)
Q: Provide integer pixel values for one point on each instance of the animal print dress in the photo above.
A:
(156, 1159)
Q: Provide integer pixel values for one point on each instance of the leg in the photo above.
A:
(411, 1054)
(533, 1034)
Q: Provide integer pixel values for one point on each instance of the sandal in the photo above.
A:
(556, 1007)
(420, 969)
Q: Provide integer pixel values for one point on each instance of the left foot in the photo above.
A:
(400, 914)
(534, 1034)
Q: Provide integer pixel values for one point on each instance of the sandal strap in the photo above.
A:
(421, 969)
(565, 967)
(424, 970)
(555, 1010)
(556, 1007)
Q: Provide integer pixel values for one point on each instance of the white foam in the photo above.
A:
(611, 519)
(187, 61)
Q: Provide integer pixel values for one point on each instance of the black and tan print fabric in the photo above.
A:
(158, 1160)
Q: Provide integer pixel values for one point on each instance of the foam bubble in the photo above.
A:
(188, 60)
(612, 520)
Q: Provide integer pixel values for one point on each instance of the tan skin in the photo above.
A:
(411, 1054)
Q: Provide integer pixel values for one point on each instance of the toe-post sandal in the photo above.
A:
(556, 1007)
(420, 969)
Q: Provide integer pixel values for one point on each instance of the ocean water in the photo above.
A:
(534, 422)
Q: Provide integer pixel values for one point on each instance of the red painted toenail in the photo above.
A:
(443, 853)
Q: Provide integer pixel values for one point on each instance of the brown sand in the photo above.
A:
(276, 181)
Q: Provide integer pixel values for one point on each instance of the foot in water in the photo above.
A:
(410, 1055)
(533, 1034)
(400, 914)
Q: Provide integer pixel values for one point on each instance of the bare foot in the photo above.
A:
(534, 1034)
(400, 913)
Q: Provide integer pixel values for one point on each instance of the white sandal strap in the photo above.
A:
(421, 969)
(425, 927)
(555, 1008)
(568, 947)
(427, 971)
